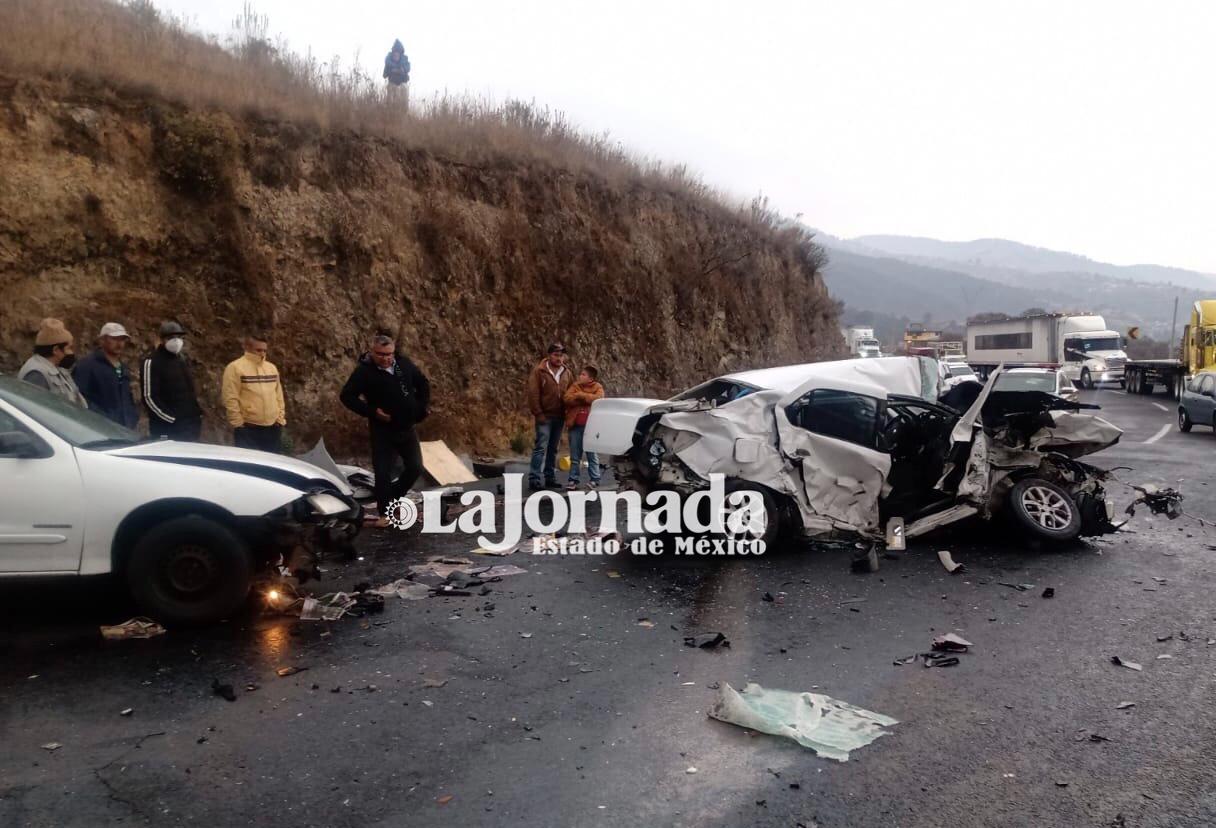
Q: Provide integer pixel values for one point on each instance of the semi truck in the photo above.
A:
(1196, 352)
(1080, 347)
(861, 342)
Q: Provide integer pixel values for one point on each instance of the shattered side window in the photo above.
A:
(839, 414)
(718, 392)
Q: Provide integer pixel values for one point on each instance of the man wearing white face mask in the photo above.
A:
(168, 389)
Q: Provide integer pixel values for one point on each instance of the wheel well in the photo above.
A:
(148, 515)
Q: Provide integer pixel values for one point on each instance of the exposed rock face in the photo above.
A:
(118, 206)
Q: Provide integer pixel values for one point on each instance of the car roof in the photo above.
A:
(1030, 371)
(854, 372)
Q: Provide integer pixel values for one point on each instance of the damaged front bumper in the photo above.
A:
(297, 535)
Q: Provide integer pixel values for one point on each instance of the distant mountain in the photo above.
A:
(1001, 259)
(893, 277)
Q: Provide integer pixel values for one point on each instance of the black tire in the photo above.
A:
(189, 570)
(772, 514)
(1184, 420)
(1176, 387)
(1045, 510)
(1087, 382)
(1130, 386)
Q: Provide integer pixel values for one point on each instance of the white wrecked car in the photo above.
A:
(837, 449)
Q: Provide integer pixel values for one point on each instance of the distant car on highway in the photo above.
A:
(1197, 405)
(1047, 380)
(955, 371)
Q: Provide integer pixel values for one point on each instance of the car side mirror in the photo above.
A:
(18, 445)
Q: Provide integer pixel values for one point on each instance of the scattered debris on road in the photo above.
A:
(224, 691)
(135, 628)
(1124, 705)
(1131, 665)
(948, 562)
(1049, 592)
(284, 672)
(707, 641)
(830, 727)
(951, 643)
(52, 746)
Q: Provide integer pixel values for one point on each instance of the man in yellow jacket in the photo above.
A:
(253, 399)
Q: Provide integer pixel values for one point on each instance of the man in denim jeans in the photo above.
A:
(547, 386)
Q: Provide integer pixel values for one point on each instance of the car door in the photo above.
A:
(42, 507)
(831, 436)
(1204, 406)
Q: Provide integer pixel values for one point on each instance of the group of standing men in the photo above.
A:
(385, 388)
(252, 392)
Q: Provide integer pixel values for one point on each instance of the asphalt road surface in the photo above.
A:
(557, 708)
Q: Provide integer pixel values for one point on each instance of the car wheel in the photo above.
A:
(1086, 380)
(745, 525)
(189, 570)
(1045, 510)
(1184, 420)
(1129, 385)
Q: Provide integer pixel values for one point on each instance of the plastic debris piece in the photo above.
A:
(1164, 656)
(948, 562)
(830, 727)
(224, 691)
(707, 641)
(404, 589)
(525, 635)
(1131, 665)
(951, 643)
(612, 573)
(445, 799)
(284, 672)
(768, 596)
(127, 711)
(939, 660)
(1049, 592)
(434, 683)
(1018, 587)
(691, 770)
(52, 746)
(1124, 705)
(645, 622)
(134, 628)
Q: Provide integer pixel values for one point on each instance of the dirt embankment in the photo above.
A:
(117, 205)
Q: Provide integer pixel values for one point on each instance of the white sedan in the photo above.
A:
(1047, 380)
(189, 527)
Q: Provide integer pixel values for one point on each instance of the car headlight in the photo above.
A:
(326, 505)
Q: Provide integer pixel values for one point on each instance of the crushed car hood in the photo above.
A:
(264, 465)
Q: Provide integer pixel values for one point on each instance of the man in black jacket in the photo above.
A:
(168, 389)
(394, 395)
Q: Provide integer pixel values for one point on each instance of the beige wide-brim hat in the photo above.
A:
(53, 332)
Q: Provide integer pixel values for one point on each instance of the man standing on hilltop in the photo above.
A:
(547, 386)
(394, 396)
(397, 73)
(253, 398)
(168, 389)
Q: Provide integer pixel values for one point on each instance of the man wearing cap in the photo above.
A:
(547, 385)
(52, 361)
(105, 381)
(168, 389)
(253, 398)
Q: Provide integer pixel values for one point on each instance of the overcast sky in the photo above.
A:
(1081, 126)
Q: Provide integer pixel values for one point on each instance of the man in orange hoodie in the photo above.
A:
(578, 399)
(547, 386)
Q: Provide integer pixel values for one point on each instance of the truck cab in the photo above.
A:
(1091, 356)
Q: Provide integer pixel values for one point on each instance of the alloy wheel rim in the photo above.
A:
(1047, 508)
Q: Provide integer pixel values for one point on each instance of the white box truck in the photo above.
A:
(1080, 347)
(861, 342)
